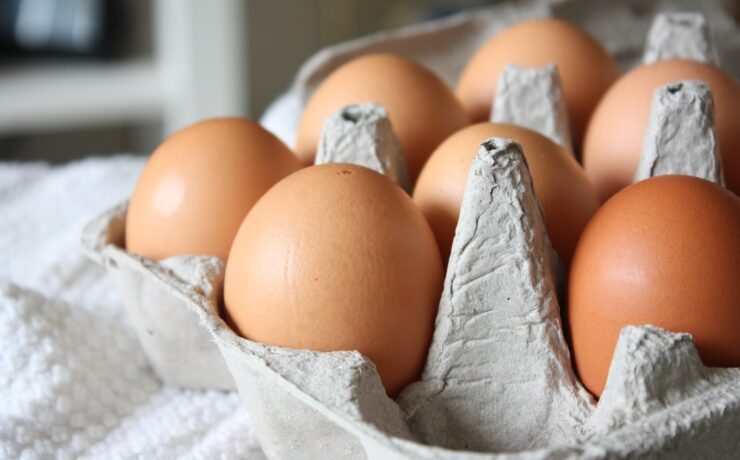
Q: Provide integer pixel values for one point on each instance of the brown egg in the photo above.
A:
(586, 69)
(422, 109)
(199, 184)
(567, 198)
(613, 144)
(338, 257)
(663, 252)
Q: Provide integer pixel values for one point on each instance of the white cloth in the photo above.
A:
(74, 382)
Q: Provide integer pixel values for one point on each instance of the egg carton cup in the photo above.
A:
(156, 296)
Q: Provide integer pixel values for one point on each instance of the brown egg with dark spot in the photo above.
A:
(586, 69)
(422, 109)
(567, 198)
(616, 132)
(337, 257)
(665, 252)
(199, 184)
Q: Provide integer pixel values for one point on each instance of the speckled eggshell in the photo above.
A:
(614, 140)
(338, 257)
(567, 198)
(663, 252)
(422, 109)
(199, 184)
(586, 69)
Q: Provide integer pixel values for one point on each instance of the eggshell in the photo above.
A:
(338, 257)
(422, 109)
(567, 198)
(613, 143)
(586, 69)
(199, 184)
(663, 252)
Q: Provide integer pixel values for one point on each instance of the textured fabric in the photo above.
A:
(74, 382)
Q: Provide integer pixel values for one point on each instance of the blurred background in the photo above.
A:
(92, 77)
(82, 77)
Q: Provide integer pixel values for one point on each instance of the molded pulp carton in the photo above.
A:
(498, 381)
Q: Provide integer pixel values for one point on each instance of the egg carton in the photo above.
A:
(498, 377)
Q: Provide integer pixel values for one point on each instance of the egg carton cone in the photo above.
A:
(362, 134)
(533, 98)
(680, 35)
(681, 136)
(157, 296)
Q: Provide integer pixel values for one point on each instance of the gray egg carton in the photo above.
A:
(498, 376)
(498, 381)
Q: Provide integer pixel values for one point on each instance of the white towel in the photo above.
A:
(74, 382)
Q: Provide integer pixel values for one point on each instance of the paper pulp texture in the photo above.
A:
(498, 344)
(153, 293)
(533, 98)
(681, 136)
(680, 35)
(362, 134)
